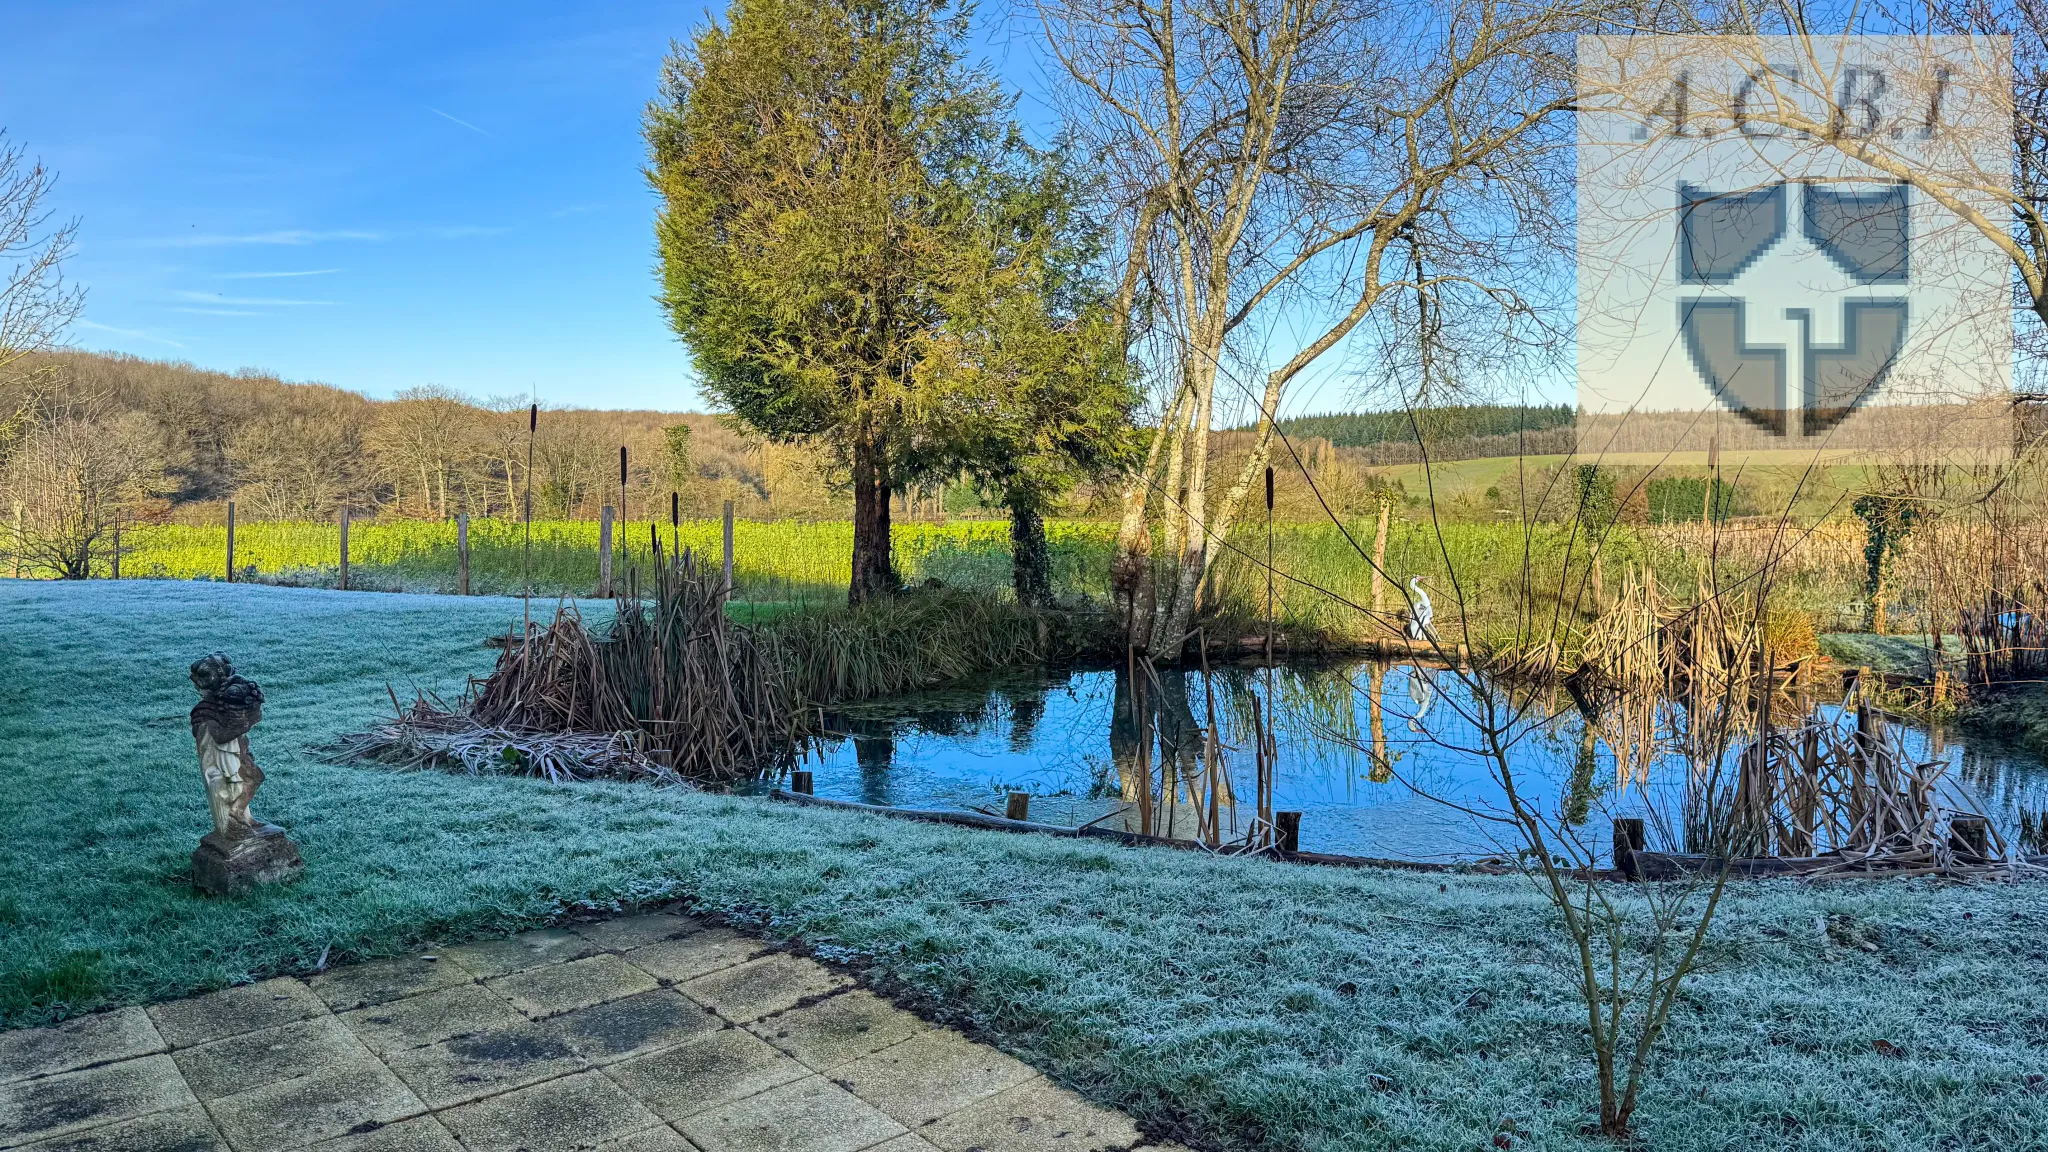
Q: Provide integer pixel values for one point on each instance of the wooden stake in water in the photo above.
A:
(344, 549)
(462, 552)
(1269, 569)
(231, 541)
(1379, 557)
(526, 514)
(604, 553)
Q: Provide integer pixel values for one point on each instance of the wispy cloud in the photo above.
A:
(246, 301)
(289, 236)
(129, 333)
(277, 275)
(458, 120)
(217, 312)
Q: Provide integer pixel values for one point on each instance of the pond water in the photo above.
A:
(1381, 759)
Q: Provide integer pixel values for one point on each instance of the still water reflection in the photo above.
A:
(1381, 759)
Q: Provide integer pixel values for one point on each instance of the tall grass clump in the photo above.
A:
(921, 639)
(672, 689)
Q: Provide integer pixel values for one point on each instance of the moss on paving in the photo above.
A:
(1258, 1005)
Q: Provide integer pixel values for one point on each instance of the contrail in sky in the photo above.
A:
(458, 120)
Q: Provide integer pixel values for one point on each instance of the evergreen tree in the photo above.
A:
(819, 163)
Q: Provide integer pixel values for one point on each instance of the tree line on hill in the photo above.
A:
(1433, 426)
(191, 438)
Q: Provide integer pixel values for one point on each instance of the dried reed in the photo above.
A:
(672, 691)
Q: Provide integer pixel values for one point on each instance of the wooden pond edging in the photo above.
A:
(1644, 865)
(1134, 839)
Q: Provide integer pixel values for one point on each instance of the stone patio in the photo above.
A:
(650, 1034)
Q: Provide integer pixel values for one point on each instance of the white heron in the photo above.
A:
(1422, 691)
(1421, 613)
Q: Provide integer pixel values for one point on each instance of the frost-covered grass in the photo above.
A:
(1261, 1006)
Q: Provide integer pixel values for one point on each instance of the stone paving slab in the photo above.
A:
(932, 1074)
(635, 1026)
(418, 1021)
(238, 1064)
(309, 1109)
(73, 1101)
(582, 1111)
(674, 961)
(382, 981)
(560, 988)
(420, 1134)
(237, 1010)
(179, 1130)
(808, 1115)
(775, 983)
(726, 1065)
(99, 1039)
(484, 1064)
(636, 931)
(1035, 1116)
(838, 1029)
(640, 1034)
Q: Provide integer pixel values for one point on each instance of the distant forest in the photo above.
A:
(197, 438)
(1462, 432)
(286, 451)
(1365, 429)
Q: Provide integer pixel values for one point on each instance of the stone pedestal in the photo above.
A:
(231, 865)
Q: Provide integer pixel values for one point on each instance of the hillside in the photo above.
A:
(304, 451)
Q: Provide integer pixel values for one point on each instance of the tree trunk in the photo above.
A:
(874, 573)
(1030, 556)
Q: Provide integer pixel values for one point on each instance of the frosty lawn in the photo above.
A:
(1233, 1003)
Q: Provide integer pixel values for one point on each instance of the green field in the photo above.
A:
(1234, 1004)
(1323, 581)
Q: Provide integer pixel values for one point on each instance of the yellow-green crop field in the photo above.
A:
(770, 558)
(1509, 576)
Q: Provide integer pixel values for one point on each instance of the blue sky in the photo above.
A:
(372, 195)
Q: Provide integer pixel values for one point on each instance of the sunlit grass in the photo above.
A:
(1234, 1004)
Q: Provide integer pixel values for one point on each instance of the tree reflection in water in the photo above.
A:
(1126, 746)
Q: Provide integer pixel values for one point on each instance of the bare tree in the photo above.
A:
(302, 463)
(36, 305)
(424, 438)
(75, 477)
(1284, 167)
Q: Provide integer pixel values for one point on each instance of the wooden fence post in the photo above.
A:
(1630, 837)
(462, 552)
(344, 549)
(1287, 831)
(1379, 556)
(800, 781)
(728, 548)
(17, 539)
(604, 553)
(117, 550)
(1018, 806)
(1970, 837)
(231, 541)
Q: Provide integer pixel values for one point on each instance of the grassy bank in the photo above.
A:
(1323, 580)
(1254, 1005)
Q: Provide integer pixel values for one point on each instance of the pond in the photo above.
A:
(1381, 759)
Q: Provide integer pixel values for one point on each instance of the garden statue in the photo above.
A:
(241, 851)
